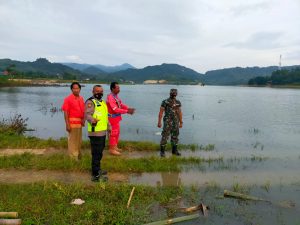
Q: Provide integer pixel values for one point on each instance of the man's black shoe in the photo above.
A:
(175, 151)
(102, 172)
(95, 178)
(99, 178)
(162, 151)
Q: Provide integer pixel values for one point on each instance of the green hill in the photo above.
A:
(279, 77)
(238, 75)
(170, 72)
(104, 69)
(41, 68)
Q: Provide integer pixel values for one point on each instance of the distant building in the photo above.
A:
(155, 82)
(162, 81)
(150, 81)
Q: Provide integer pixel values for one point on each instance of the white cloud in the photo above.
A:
(259, 41)
(201, 34)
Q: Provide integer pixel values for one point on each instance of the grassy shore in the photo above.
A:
(105, 203)
(12, 140)
(49, 203)
(110, 163)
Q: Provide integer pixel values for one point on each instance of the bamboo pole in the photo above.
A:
(203, 208)
(233, 194)
(10, 221)
(130, 197)
(175, 220)
(9, 214)
(283, 204)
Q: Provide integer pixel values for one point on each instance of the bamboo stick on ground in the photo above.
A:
(131, 194)
(203, 208)
(233, 194)
(8, 215)
(284, 204)
(175, 220)
(10, 221)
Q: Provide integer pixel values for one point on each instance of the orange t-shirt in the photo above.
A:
(74, 106)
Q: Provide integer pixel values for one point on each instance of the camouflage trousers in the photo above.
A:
(171, 126)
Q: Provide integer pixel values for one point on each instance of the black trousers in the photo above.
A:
(97, 147)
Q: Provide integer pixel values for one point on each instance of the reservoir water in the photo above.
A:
(234, 119)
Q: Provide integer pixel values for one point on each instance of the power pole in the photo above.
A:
(279, 67)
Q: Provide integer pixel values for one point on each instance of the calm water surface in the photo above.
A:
(235, 119)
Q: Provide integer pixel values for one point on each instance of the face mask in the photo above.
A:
(98, 96)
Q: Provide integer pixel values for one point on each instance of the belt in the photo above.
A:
(114, 115)
(73, 120)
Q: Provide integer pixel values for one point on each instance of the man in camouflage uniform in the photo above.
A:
(172, 122)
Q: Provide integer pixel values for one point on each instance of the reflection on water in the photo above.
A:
(50, 109)
(233, 118)
(169, 179)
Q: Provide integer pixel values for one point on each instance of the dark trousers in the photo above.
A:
(97, 146)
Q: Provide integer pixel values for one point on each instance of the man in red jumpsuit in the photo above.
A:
(115, 108)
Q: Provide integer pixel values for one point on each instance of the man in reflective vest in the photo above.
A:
(97, 116)
(115, 108)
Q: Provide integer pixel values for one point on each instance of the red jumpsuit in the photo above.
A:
(115, 109)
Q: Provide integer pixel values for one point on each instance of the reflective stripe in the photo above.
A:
(114, 115)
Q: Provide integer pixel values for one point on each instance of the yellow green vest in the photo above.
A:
(100, 114)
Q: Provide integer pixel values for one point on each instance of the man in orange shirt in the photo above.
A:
(73, 108)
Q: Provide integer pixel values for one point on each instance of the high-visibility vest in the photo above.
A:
(101, 114)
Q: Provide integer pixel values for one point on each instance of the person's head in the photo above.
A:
(75, 87)
(98, 92)
(114, 87)
(173, 93)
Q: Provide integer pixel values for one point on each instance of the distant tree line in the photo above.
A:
(278, 77)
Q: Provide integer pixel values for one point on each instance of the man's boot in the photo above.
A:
(113, 151)
(119, 149)
(175, 151)
(162, 151)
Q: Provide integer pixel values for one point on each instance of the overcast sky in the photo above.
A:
(199, 34)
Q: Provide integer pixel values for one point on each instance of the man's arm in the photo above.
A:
(66, 115)
(160, 114)
(112, 103)
(89, 110)
(180, 118)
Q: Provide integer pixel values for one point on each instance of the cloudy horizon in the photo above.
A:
(202, 35)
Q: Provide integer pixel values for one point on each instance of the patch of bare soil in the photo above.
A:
(31, 176)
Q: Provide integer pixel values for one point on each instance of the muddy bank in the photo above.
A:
(32, 176)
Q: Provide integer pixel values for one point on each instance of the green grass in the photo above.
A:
(12, 140)
(49, 203)
(113, 164)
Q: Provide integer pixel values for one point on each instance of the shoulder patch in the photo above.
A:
(89, 105)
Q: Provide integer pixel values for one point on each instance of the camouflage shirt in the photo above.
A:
(172, 108)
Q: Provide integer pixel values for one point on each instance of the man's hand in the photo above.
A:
(68, 128)
(131, 111)
(180, 124)
(94, 122)
(159, 124)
